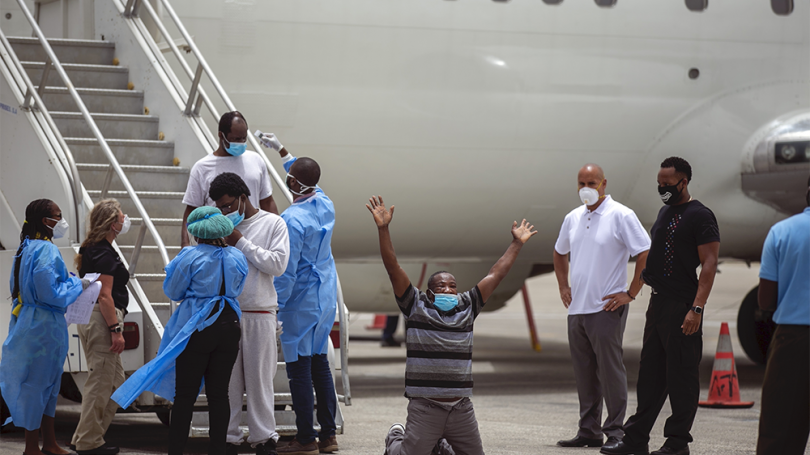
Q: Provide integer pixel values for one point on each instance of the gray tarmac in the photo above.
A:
(525, 401)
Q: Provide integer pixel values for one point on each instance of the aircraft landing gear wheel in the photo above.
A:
(755, 328)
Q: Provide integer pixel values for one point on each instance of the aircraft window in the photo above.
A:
(697, 5)
(605, 3)
(782, 7)
(552, 2)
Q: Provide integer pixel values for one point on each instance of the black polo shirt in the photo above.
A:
(102, 258)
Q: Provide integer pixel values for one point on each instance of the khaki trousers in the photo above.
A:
(106, 375)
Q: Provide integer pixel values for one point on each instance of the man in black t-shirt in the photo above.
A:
(684, 236)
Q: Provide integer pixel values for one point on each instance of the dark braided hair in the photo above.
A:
(33, 228)
(216, 242)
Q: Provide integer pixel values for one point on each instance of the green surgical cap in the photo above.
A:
(209, 223)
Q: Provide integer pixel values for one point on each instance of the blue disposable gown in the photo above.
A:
(195, 276)
(34, 352)
(307, 291)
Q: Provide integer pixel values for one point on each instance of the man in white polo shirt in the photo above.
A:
(601, 236)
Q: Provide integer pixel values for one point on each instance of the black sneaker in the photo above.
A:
(268, 448)
(231, 449)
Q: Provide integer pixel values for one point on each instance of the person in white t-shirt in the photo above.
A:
(230, 156)
(263, 238)
(601, 236)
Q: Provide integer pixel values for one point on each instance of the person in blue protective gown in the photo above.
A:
(201, 339)
(307, 300)
(34, 352)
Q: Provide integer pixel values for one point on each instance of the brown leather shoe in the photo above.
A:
(329, 445)
(296, 448)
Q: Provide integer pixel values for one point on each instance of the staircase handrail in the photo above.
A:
(192, 109)
(146, 220)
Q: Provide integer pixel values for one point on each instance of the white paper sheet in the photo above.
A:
(79, 311)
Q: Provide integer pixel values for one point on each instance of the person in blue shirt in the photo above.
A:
(307, 301)
(201, 339)
(784, 285)
(37, 343)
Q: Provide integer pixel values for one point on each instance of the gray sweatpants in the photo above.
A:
(429, 422)
(252, 375)
(595, 341)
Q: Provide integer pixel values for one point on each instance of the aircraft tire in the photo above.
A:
(755, 328)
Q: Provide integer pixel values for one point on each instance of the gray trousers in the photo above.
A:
(595, 341)
(429, 423)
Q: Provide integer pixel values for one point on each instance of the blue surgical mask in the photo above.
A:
(445, 302)
(236, 217)
(235, 148)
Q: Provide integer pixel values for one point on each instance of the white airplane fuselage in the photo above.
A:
(470, 114)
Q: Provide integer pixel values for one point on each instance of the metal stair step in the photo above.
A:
(160, 204)
(83, 75)
(66, 50)
(116, 126)
(126, 151)
(154, 178)
(101, 100)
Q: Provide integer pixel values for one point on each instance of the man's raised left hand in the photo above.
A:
(523, 232)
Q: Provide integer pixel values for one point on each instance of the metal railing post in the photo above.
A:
(107, 181)
(192, 92)
(136, 252)
(43, 81)
(198, 105)
(344, 346)
(131, 9)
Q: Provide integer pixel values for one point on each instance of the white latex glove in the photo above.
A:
(269, 140)
(85, 283)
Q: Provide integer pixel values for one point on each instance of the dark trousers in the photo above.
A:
(668, 367)
(595, 341)
(210, 354)
(304, 373)
(784, 422)
(391, 323)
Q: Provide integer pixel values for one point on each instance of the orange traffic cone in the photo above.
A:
(724, 390)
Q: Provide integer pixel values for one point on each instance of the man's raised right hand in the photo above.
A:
(377, 208)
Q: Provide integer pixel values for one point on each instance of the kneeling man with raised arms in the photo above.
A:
(439, 338)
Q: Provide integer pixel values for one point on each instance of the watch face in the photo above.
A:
(697, 309)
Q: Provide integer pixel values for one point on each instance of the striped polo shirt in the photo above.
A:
(440, 344)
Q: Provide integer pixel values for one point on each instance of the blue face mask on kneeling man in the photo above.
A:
(445, 302)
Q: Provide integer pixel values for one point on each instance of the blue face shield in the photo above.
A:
(445, 302)
(236, 217)
(234, 148)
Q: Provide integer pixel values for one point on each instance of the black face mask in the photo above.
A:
(670, 194)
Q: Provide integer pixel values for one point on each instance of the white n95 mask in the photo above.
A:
(60, 229)
(588, 196)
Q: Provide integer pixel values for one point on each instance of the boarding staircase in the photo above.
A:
(151, 180)
(133, 136)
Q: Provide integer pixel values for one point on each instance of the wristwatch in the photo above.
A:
(117, 328)
(697, 309)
